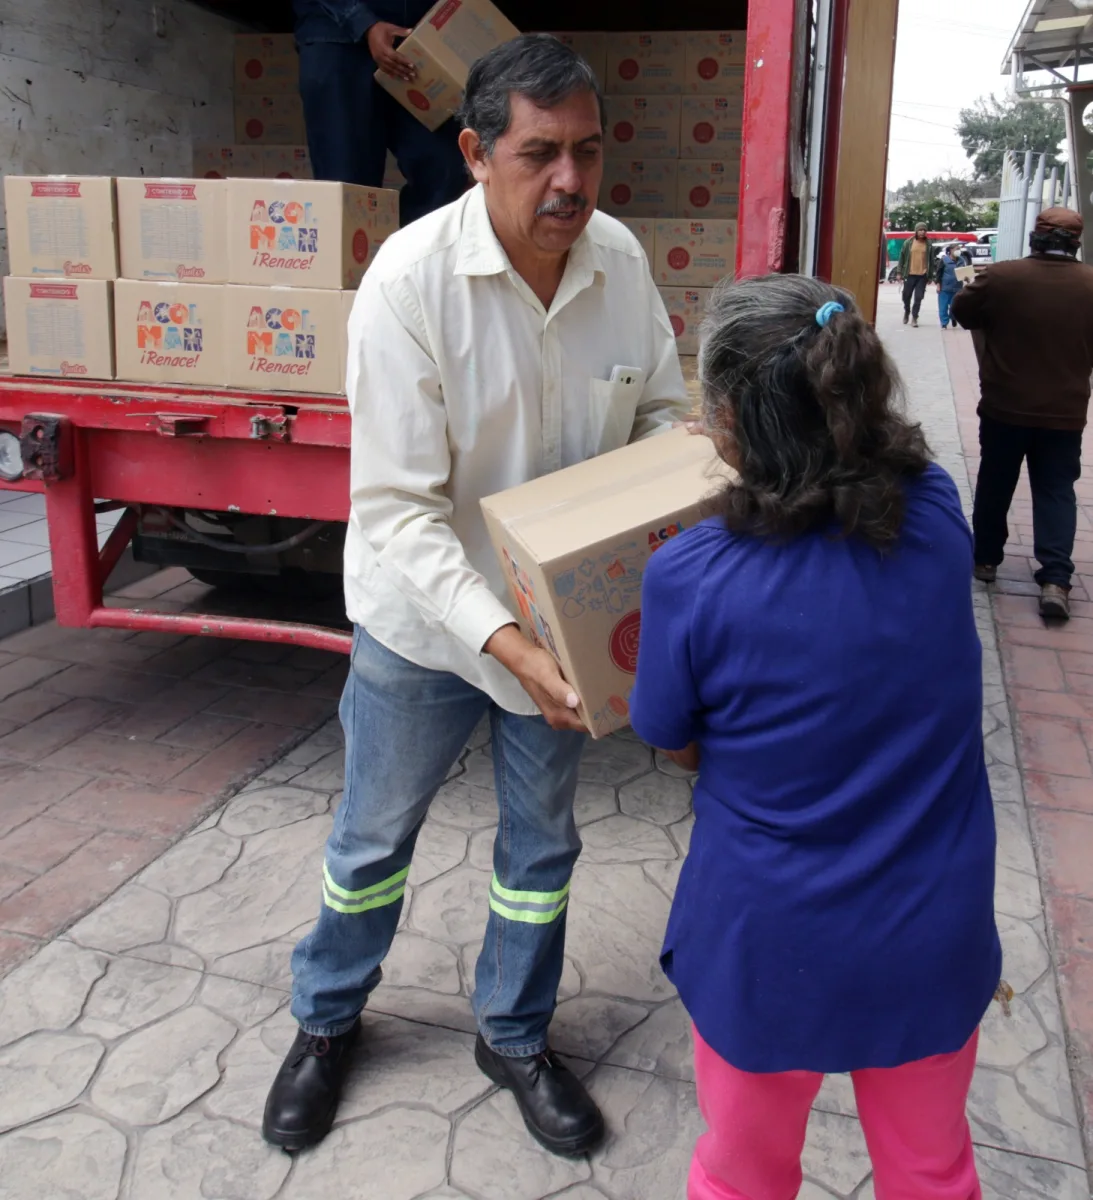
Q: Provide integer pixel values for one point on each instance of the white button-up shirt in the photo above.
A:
(462, 384)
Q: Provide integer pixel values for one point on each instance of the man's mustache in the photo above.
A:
(562, 204)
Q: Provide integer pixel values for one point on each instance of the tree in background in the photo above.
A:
(994, 126)
(938, 214)
(988, 215)
(951, 189)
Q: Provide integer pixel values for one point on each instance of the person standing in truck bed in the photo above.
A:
(351, 121)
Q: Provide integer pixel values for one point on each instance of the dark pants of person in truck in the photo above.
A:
(352, 123)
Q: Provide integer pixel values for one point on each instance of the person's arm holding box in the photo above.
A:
(398, 491)
(664, 401)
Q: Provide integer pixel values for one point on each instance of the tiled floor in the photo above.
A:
(24, 537)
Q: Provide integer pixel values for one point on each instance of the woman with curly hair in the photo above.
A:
(811, 649)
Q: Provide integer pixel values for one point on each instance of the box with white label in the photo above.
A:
(694, 253)
(286, 162)
(645, 62)
(61, 226)
(266, 63)
(173, 229)
(60, 329)
(286, 339)
(276, 120)
(170, 332)
(715, 61)
(639, 187)
(592, 47)
(686, 308)
(644, 229)
(305, 233)
(708, 188)
(643, 125)
(710, 126)
(212, 161)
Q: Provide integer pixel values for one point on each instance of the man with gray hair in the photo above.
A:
(509, 334)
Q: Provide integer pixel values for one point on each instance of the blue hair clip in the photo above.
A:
(826, 311)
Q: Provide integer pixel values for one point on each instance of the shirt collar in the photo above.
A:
(480, 253)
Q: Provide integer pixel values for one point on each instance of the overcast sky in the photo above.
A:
(948, 54)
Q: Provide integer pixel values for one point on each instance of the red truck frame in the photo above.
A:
(275, 454)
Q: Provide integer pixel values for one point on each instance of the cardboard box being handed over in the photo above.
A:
(451, 36)
(573, 547)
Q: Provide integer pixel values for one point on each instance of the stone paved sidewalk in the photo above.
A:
(136, 1048)
(113, 744)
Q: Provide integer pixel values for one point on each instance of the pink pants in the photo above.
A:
(913, 1118)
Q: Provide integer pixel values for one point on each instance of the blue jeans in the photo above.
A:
(352, 123)
(944, 303)
(405, 727)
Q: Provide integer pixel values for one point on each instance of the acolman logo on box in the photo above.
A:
(169, 335)
(280, 341)
(284, 235)
(52, 188)
(657, 537)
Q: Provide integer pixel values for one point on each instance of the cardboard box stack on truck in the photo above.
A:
(249, 469)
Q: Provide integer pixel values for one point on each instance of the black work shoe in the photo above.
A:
(303, 1101)
(1055, 602)
(906, 317)
(558, 1111)
(985, 573)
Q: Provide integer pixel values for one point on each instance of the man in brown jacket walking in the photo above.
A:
(1034, 317)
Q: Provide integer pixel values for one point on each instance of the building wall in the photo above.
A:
(109, 87)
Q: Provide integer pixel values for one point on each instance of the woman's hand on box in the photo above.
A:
(539, 676)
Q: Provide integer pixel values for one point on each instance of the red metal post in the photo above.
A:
(764, 168)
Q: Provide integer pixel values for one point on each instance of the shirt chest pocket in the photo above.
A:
(612, 407)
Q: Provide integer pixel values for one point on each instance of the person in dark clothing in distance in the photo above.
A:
(917, 267)
(1033, 319)
(351, 121)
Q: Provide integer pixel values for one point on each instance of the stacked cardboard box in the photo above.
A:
(64, 259)
(270, 140)
(240, 282)
(287, 254)
(675, 103)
